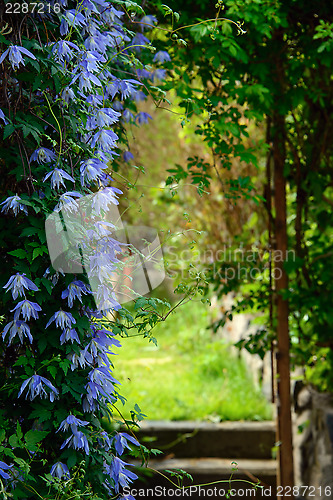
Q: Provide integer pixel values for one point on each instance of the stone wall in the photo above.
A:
(313, 440)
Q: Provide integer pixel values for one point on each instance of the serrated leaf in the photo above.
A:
(42, 414)
(19, 253)
(32, 438)
(8, 130)
(52, 370)
(65, 364)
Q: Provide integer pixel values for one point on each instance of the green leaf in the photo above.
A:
(19, 432)
(32, 438)
(2, 435)
(19, 253)
(52, 370)
(36, 253)
(8, 130)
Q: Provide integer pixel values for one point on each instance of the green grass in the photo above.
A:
(190, 375)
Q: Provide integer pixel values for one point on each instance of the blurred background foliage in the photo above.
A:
(209, 160)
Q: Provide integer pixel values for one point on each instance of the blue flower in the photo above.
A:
(77, 441)
(72, 422)
(96, 42)
(3, 117)
(139, 41)
(27, 309)
(144, 73)
(124, 87)
(35, 388)
(105, 139)
(60, 470)
(103, 198)
(74, 290)
(69, 334)
(100, 385)
(119, 474)
(17, 283)
(67, 201)
(14, 203)
(143, 117)
(57, 177)
(121, 442)
(82, 359)
(14, 53)
(43, 155)
(148, 22)
(94, 100)
(67, 94)
(4, 467)
(128, 156)
(91, 170)
(162, 56)
(71, 18)
(86, 80)
(159, 74)
(102, 342)
(128, 116)
(106, 117)
(62, 50)
(62, 319)
(17, 327)
(91, 61)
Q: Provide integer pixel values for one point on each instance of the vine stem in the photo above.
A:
(60, 133)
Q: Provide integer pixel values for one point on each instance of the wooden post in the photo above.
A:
(284, 427)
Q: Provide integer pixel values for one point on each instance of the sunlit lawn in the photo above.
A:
(191, 374)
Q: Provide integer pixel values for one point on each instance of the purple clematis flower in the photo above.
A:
(71, 422)
(69, 334)
(128, 156)
(17, 283)
(106, 117)
(36, 387)
(118, 472)
(74, 291)
(104, 139)
(103, 198)
(67, 201)
(62, 50)
(57, 178)
(77, 441)
(17, 327)
(3, 117)
(27, 309)
(121, 442)
(148, 22)
(14, 203)
(62, 319)
(14, 53)
(162, 56)
(3, 468)
(71, 18)
(91, 170)
(143, 117)
(67, 94)
(86, 80)
(43, 155)
(60, 470)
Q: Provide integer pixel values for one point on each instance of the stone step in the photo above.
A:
(190, 439)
